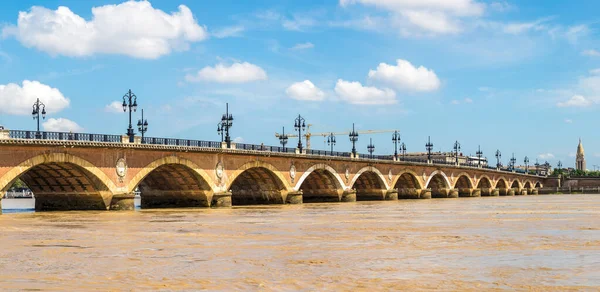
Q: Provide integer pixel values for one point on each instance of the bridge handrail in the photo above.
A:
(64, 136)
(180, 142)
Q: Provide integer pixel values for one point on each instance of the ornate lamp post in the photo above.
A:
(559, 167)
(142, 126)
(130, 101)
(456, 149)
(331, 141)
(429, 147)
(403, 149)
(220, 131)
(537, 167)
(283, 139)
(353, 138)
(526, 161)
(226, 124)
(498, 157)
(512, 162)
(38, 107)
(396, 140)
(371, 148)
(299, 125)
(479, 154)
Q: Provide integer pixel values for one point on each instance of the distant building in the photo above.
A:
(580, 159)
(446, 157)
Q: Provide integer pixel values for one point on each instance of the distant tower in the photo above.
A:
(580, 160)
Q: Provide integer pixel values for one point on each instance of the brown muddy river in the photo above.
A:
(500, 243)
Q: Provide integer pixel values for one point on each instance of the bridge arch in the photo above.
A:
(438, 180)
(171, 182)
(527, 184)
(369, 184)
(61, 181)
(258, 182)
(484, 182)
(463, 181)
(538, 185)
(407, 179)
(501, 183)
(320, 183)
(515, 184)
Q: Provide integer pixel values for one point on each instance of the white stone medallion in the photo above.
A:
(121, 168)
(293, 173)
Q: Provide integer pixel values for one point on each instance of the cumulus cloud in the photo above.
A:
(546, 156)
(132, 28)
(235, 73)
(238, 140)
(305, 90)
(575, 101)
(431, 16)
(114, 107)
(18, 100)
(568, 121)
(303, 46)
(405, 76)
(356, 93)
(61, 125)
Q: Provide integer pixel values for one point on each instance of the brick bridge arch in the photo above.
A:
(171, 182)
(369, 184)
(60, 179)
(320, 183)
(484, 182)
(441, 174)
(408, 179)
(258, 182)
(463, 180)
(501, 182)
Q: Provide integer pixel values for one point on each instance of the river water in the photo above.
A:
(499, 243)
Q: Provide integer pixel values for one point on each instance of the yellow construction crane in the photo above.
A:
(308, 134)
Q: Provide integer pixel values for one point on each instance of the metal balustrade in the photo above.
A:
(68, 136)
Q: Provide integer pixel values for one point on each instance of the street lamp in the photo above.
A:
(456, 149)
(403, 149)
(37, 106)
(396, 140)
(429, 147)
(226, 124)
(353, 138)
(130, 101)
(559, 167)
(331, 141)
(537, 167)
(283, 138)
(220, 131)
(371, 148)
(479, 155)
(142, 126)
(299, 125)
(512, 162)
(498, 157)
(526, 160)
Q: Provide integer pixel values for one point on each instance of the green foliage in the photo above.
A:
(19, 184)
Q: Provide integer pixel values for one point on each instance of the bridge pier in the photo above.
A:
(444, 193)
(321, 196)
(476, 193)
(391, 195)
(370, 195)
(72, 201)
(122, 202)
(410, 193)
(521, 192)
(348, 196)
(503, 191)
(534, 191)
(465, 192)
(495, 193)
(0, 204)
(486, 192)
(174, 199)
(294, 198)
(510, 192)
(221, 200)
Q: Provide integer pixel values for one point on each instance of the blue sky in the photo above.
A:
(519, 76)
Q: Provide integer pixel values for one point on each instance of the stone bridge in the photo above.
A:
(87, 175)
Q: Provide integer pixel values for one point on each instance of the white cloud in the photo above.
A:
(132, 28)
(230, 31)
(575, 101)
(303, 46)
(468, 100)
(235, 73)
(61, 125)
(595, 71)
(546, 156)
(305, 90)
(591, 53)
(299, 23)
(238, 140)
(18, 100)
(431, 16)
(572, 154)
(114, 107)
(568, 121)
(521, 27)
(356, 93)
(455, 101)
(502, 6)
(405, 76)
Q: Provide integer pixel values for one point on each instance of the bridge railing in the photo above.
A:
(64, 136)
(180, 142)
